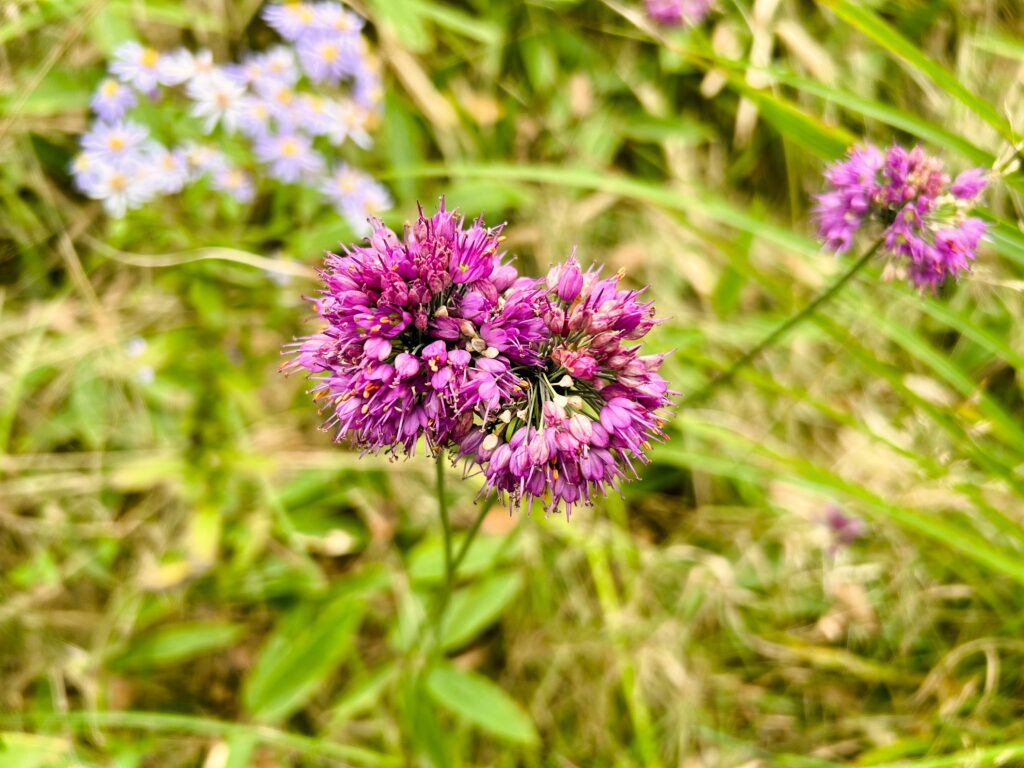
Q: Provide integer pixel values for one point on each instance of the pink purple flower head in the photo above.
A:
(676, 13)
(402, 355)
(925, 220)
(592, 403)
(537, 384)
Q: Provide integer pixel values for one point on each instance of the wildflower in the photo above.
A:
(291, 156)
(236, 183)
(843, 528)
(216, 99)
(202, 159)
(279, 65)
(114, 143)
(120, 188)
(590, 403)
(327, 58)
(356, 195)
(252, 115)
(398, 358)
(169, 167)
(139, 66)
(283, 102)
(675, 13)
(111, 100)
(348, 121)
(181, 66)
(291, 20)
(332, 17)
(925, 219)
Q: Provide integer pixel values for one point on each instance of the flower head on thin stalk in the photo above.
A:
(590, 402)
(925, 219)
(414, 342)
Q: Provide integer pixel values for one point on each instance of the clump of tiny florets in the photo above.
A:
(415, 343)
(926, 219)
(587, 411)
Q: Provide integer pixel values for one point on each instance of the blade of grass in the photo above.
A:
(862, 18)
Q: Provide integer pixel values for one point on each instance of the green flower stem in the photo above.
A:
(703, 393)
(451, 564)
(442, 502)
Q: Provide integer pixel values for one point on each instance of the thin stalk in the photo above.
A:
(446, 524)
(825, 296)
(449, 584)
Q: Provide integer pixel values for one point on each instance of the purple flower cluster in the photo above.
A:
(534, 382)
(926, 219)
(282, 109)
(675, 13)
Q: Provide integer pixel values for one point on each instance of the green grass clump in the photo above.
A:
(192, 575)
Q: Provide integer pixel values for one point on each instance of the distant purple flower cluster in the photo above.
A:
(926, 219)
(534, 382)
(282, 110)
(675, 13)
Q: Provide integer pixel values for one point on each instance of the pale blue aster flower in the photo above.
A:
(332, 17)
(112, 99)
(170, 168)
(236, 183)
(291, 20)
(138, 66)
(290, 156)
(202, 159)
(348, 121)
(254, 116)
(114, 143)
(216, 99)
(122, 188)
(328, 58)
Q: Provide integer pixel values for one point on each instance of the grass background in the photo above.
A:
(192, 575)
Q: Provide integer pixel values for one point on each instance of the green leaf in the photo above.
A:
(861, 18)
(426, 562)
(363, 693)
(476, 607)
(480, 702)
(305, 648)
(174, 644)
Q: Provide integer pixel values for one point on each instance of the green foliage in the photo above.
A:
(191, 574)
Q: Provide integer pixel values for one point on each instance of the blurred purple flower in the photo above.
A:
(925, 219)
(844, 529)
(675, 13)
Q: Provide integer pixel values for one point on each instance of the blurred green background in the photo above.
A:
(191, 574)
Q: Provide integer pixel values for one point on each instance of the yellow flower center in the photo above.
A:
(347, 183)
(289, 147)
(329, 52)
(150, 58)
(116, 142)
(110, 87)
(118, 182)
